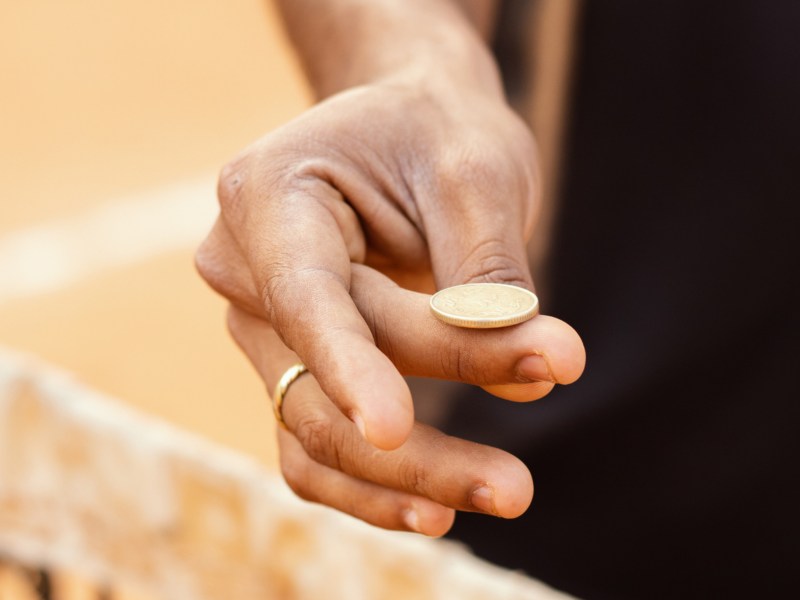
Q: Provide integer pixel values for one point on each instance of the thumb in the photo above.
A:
(492, 249)
(487, 248)
(480, 215)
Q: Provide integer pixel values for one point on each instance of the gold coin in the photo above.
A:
(484, 305)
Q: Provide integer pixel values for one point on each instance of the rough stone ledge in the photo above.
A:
(91, 485)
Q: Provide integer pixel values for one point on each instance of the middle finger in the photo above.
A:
(450, 471)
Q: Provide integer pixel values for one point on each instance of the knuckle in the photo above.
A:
(480, 173)
(468, 167)
(209, 266)
(204, 260)
(490, 262)
(230, 183)
(221, 274)
(316, 436)
(414, 476)
(287, 288)
(271, 288)
(458, 361)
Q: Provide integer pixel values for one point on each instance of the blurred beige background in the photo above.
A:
(115, 119)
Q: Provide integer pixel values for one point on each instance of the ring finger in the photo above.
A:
(449, 471)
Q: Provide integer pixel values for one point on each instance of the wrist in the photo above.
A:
(461, 72)
(349, 43)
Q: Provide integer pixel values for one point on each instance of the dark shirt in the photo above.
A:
(670, 470)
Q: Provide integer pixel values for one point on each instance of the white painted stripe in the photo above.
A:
(51, 255)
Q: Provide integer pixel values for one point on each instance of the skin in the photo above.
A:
(410, 175)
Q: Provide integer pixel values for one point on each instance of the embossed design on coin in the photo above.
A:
(484, 305)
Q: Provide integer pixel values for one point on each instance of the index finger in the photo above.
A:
(522, 362)
(298, 238)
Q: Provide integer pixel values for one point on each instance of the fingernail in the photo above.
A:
(359, 423)
(411, 519)
(534, 368)
(482, 498)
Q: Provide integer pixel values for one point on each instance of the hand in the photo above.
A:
(430, 187)
(418, 486)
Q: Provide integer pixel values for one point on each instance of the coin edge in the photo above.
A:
(489, 322)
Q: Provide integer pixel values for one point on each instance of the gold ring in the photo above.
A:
(287, 379)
